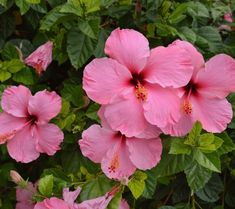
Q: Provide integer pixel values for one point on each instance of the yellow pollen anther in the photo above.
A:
(187, 106)
(141, 93)
(114, 164)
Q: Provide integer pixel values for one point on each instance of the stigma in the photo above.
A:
(115, 163)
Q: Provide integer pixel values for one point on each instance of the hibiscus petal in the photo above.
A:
(97, 203)
(96, 141)
(129, 48)
(162, 106)
(70, 197)
(25, 205)
(214, 114)
(104, 78)
(126, 114)
(116, 164)
(15, 100)
(49, 138)
(169, 66)
(151, 149)
(218, 78)
(181, 128)
(9, 125)
(52, 203)
(25, 195)
(44, 105)
(123, 205)
(22, 147)
(196, 57)
(150, 132)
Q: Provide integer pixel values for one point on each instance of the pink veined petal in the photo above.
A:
(218, 78)
(144, 153)
(116, 164)
(44, 105)
(70, 197)
(52, 203)
(49, 138)
(9, 125)
(169, 66)
(15, 100)
(196, 57)
(214, 114)
(162, 106)
(181, 128)
(150, 132)
(129, 48)
(104, 78)
(25, 195)
(123, 205)
(126, 114)
(41, 57)
(22, 147)
(97, 203)
(96, 141)
(24, 205)
(103, 120)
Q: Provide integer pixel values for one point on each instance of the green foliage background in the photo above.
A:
(197, 171)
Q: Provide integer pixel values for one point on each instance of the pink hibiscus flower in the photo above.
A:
(118, 154)
(24, 197)
(203, 98)
(103, 201)
(41, 57)
(134, 82)
(24, 123)
(56, 203)
(228, 17)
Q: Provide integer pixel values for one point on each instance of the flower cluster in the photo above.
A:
(144, 92)
(24, 197)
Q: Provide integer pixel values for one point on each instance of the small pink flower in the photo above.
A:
(204, 97)
(52, 203)
(228, 17)
(102, 202)
(16, 177)
(24, 197)
(134, 83)
(24, 123)
(68, 201)
(120, 155)
(41, 57)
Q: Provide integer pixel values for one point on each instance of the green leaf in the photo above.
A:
(45, 185)
(4, 75)
(137, 184)
(13, 66)
(188, 34)
(72, 6)
(26, 76)
(211, 191)
(33, 1)
(79, 47)
(227, 146)
(197, 176)
(171, 164)
(91, 5)
(73, 93)
(23, 5)
(167, 207)
(210, 161)
(92, 112)
(212, 35)
(178, 147)
(115, 202)
(51, 18)
(194, 134)
(209, 143)
(96, 188)
(90, 28)
(150, 184)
